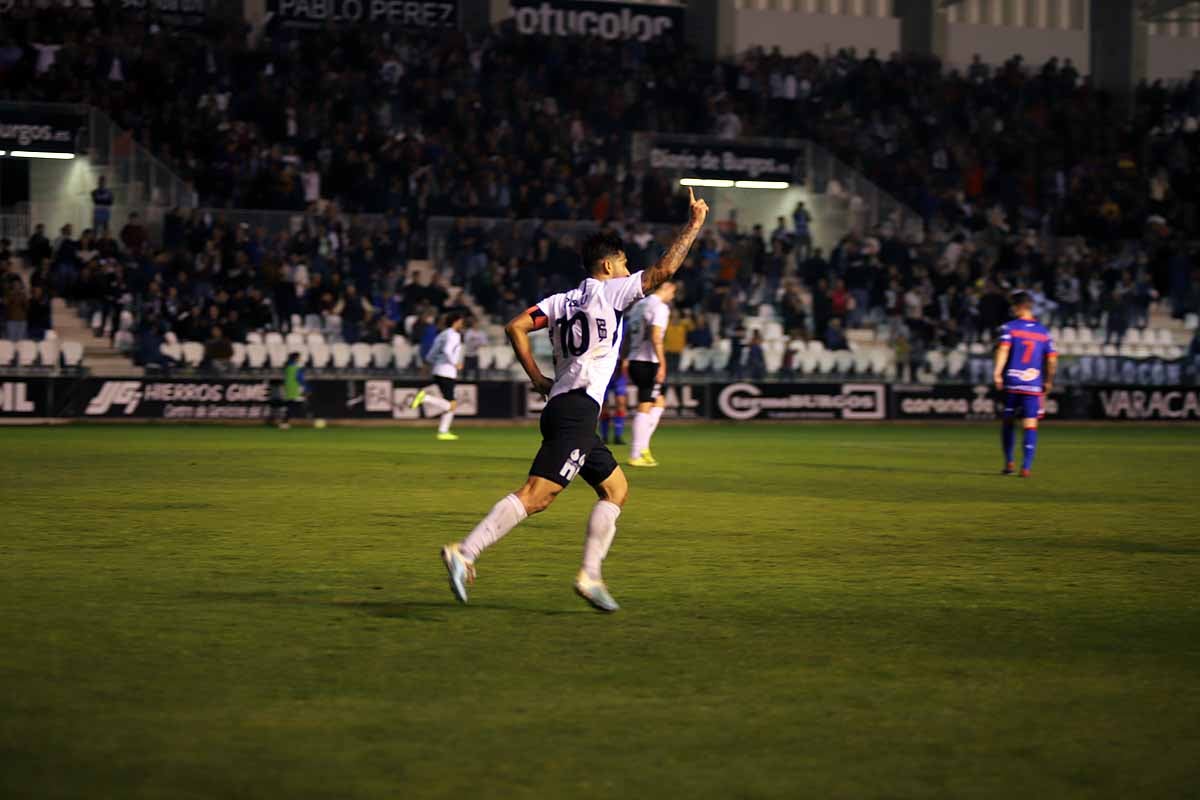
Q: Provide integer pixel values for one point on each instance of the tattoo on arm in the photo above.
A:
(661, 272)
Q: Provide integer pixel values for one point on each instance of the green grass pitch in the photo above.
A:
(808, 612)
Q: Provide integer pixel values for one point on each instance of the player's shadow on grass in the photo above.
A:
(416, 609)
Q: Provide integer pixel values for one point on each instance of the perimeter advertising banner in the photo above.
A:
(967, 403)
(844, 401)
(169, 398)
(684, 401)
(1168, 403)
(25, 397)
(40, 131)
(604, 20)
(419, 14)
(730, 160)
(386, 398)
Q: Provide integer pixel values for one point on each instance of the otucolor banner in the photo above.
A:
(606, 20)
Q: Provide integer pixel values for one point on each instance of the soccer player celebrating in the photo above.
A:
(648, 369)
(1026, 360)
(584, 325)
(445, 355)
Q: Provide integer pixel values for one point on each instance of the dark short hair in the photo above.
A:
(1021, 299)
(598, 247)
(453, 317)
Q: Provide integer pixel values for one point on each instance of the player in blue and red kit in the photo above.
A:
(617, 395)
(1026, 360)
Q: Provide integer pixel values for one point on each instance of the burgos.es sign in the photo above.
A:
(850, 401)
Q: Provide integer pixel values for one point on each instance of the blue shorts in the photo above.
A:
(618, 386)
(1024, 406)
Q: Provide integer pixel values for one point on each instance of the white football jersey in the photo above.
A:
(446, 353)
(584, 325)
(646, 315)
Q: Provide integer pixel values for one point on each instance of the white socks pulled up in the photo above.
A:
(504, 516)
(601, 528)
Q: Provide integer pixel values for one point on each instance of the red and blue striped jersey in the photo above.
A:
(1029, 346)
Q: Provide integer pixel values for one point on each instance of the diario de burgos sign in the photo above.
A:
(729, 160)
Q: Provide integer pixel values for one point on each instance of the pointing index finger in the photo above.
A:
(692, 194)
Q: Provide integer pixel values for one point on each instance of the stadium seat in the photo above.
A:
(1110, 350)
(254, 337)
(27, 353)
(340, 351)
(302, 354)
(7, 352)
(935, 361)
(277, 354)
(1133, 336)
(72, 354)
(256, 355)
(843, 362)
(297, 324)
(170, 338)
(504, 357)
(381, 356)
(1191, 321)
(314, 337)
(977, 349)
(1163, 336)
(272, 337)
(294, 339)
(1086, 336)
(955, 362)
(402, 352)
(773, 351)
(360, 355)
(686, 358)
(48, 350)
(333, 328)
(319, 355)
(881, 361)
(172, 351)
(773, 330)
(486, 356)
(826, 361)
(193, 353)
(1092, 349)
(238, 360)
(1070, 335)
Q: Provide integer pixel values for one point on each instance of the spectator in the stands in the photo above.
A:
(756, 360)
(679, 326)
(38, 315)
(835, 336)
(355, 310)
(134, 235)
(102, 201)
(701, 335)
(474, 339)
(38, 247)
(218, 350)
(16, 309)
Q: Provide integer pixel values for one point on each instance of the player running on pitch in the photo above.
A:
(648, 369)
(1026, 360)
(446, 356)
(615, 408)
(584, 326)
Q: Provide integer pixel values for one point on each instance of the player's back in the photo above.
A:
(584, 325)
(1030, 344)
(645, 315)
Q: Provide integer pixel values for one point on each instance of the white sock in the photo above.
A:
(444, 425)
(504, 516)
(601, 528)
(655, 415)
(641, 435)
(435, 405)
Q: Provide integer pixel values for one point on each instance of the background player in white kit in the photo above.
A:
(584, 325)
(446, 358)
(648, 369)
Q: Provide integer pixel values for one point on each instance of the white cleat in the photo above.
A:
(461, 572)
(595, 592)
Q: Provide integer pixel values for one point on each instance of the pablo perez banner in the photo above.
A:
(389, 13)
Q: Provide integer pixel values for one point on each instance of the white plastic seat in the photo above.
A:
(340, 352)
(7, 352)
(239, 355)
(1086, 336)
(773, 330)
(277, 354)
(773, 355)
(254, 337)
(312, 322)
(256, 354)
(843, 361)
(172, 350)
(333, 328)
(685, 358)
(702, 359)
(72, 354)
(48, 350)
(1070, 335)
(862, 361)
(319, 355)
(1133, 336)
(487, 356)
(402, 352)
(955, 362)
(504, 357)
(272, 337)
(882, 359)
(314, 337)
(1191, 321)
(381, 355)
(297, 324)
(294, 339)
(360, 354)
(1163, 336)
(193, 353)
(977, 349)
(826, 361)
(170, 338)
(1110, 350)
(27, 353)
(936, 362)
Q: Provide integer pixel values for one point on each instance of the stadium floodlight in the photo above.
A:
(36, 154)
(715, 183)
(761, 185)
(3, 152)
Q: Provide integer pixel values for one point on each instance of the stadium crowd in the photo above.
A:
(1022, 176)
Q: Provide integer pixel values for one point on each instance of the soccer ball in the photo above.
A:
(318, 423)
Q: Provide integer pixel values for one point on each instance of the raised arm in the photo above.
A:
(661, 272)
(518, 330)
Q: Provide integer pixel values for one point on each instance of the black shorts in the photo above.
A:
(446, 386)
(642, 373)
(570, 445)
